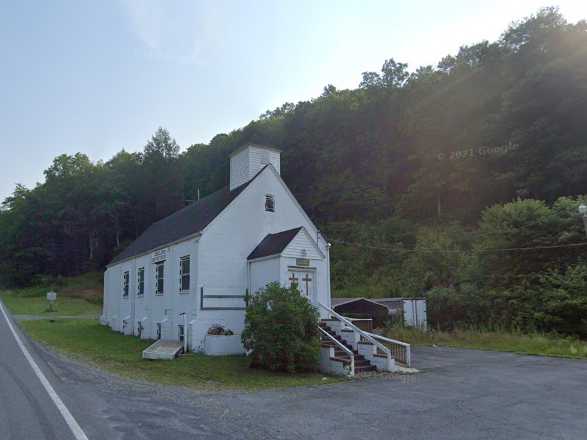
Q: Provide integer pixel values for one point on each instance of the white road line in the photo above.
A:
(77, 431)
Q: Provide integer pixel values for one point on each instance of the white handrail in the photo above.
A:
(363, 333)
(407, 346)
(341, 346)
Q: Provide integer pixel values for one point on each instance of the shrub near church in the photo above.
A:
(281, 329)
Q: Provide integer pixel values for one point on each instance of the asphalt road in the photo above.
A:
(26, 410)
(459, 394)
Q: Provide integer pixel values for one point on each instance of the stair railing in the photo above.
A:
(401, 351)
(362, 333)
(340, 345)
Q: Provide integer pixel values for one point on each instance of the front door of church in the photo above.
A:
(304, 280)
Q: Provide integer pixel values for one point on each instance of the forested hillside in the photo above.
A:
(408, 160)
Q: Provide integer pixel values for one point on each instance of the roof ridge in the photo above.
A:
(191, 205)
(184, 222)
(285, 232)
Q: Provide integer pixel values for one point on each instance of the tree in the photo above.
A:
(393, 164)
(329, 90)
(371, 80)
(281, 330)
(162, 180)
(394, 74)
(161, 145)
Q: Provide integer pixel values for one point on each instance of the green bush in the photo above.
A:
(520, 271)
(554, 302)
(563, 301)
(281, 329)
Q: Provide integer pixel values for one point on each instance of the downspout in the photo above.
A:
(248, 276)
(328, 245)
(105, 302)
(132, 292)
(185, 332)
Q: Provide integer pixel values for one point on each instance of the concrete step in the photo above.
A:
(362, 365)
(166, 350)
(364, 369)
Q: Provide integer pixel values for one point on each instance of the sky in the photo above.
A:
(97, 77)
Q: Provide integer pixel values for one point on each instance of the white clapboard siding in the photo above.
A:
(221, 298)
(220, 273)
(248, 161)
(302, 242)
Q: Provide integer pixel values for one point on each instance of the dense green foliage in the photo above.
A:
(85, 212)
(281, 329)
(405, 163)
(522, 269)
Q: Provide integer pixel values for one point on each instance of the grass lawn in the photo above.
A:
(87, 340)
(36, 304)
(76, 296)
(535, 344)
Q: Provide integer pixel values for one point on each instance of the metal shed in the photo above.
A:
(411, 311)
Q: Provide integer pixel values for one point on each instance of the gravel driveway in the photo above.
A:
(459, 394)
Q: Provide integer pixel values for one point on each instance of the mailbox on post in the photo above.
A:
(51, 297)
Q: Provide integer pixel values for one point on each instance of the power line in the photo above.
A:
(512, 249)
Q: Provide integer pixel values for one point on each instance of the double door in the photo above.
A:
(303, 279)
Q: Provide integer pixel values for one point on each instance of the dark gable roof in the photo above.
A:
(387, 302)
(337, 302)
(183, 223)
(273, 244)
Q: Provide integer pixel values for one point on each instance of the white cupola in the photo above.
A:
(248, 160)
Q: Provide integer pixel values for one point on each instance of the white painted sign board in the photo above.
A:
(51, 296)
(160, 255)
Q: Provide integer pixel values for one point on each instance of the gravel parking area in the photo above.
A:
(459, 394)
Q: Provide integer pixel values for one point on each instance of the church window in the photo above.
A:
(184, 274)
(159, 277)
(269, 203)
(125, 283)
(140, 281)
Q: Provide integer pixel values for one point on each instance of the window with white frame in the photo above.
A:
(140, 281)
(269, 203)
(159, 277)
(184, 274)
(125, 283)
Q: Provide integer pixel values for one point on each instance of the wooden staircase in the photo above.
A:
(362, 365)
(347, 349)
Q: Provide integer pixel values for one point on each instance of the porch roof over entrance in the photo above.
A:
(273, 244)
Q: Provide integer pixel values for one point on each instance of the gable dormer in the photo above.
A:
(248, 160)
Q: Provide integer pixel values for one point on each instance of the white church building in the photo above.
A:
(191, 271)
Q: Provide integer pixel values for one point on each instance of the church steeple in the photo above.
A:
(248, 160)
